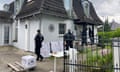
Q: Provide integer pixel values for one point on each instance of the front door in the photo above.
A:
(6, 34)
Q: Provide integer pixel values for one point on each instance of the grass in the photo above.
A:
(95, 58)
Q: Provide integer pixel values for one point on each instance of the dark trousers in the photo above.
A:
(84, 40)
(69, 45)
(39, 54)
(92, 40)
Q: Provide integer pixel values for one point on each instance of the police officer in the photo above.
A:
(68, 39)
(38, 44)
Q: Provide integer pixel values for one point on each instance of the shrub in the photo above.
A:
(104, 61)
(111, 34)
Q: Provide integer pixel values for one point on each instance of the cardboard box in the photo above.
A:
(28, 62)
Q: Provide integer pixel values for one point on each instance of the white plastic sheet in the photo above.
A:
(45, 50)
(54, 47)
(60, 43)
(57, 46)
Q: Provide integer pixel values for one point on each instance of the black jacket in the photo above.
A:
(38, 42)
(69, 37)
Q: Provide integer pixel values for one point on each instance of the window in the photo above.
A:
(6, 35)
(62, 28)
(86, 8)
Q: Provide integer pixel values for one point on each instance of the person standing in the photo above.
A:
(84, 36)
(68, 39)
(38, 44)
(91, 36)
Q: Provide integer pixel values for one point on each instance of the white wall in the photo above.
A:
(1, 34)
(41, 23)
(96, 34)
(33, 25)
(53, 36)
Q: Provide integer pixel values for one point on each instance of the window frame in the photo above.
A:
(60, 27)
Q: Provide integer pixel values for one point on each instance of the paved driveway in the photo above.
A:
(12, 54)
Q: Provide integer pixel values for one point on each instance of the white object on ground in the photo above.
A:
(28, 61)
(72, 59)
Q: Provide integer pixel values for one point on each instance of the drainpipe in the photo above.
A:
(40, 22)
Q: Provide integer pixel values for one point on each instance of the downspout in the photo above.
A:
(40, 17)
(40, 22)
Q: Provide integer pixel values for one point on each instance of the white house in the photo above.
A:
(50, 17)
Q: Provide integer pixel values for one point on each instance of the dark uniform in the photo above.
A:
(38, 44)
(91, 36)
(68, 39)
(84, 38)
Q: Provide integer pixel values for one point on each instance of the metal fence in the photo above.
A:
(100, 56)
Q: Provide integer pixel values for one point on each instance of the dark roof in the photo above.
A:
(50, 7)
(54, 7)
(11, 9)
(81, 17)
(5, 16)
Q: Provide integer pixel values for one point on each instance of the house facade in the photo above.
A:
(86, 20)
(50, 17)
(5, 28)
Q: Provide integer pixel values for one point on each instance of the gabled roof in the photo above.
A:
(5, 16)
(81, 17)
(50, 7)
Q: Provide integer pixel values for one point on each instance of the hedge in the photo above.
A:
(111, 34)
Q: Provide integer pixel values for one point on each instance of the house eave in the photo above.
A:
(27, 15)
(79, 22)
(33, 14)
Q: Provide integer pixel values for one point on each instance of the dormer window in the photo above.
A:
(29, 0)
(86, 8)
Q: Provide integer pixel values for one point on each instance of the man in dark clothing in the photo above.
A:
(68, 40)
(91, 36)
(84, 37)
(38, 44)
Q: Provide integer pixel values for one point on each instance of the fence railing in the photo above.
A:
(102, 56)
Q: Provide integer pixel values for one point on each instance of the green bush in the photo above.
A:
(111, 34)
(105, 61)
(105, 37)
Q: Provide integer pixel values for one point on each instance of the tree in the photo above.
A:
(106, 26)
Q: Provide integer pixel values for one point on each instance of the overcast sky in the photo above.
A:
(108, 8)
(2, 2)
(104, 8)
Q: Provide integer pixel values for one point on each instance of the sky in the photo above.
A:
(105, 8)
(2, 2)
